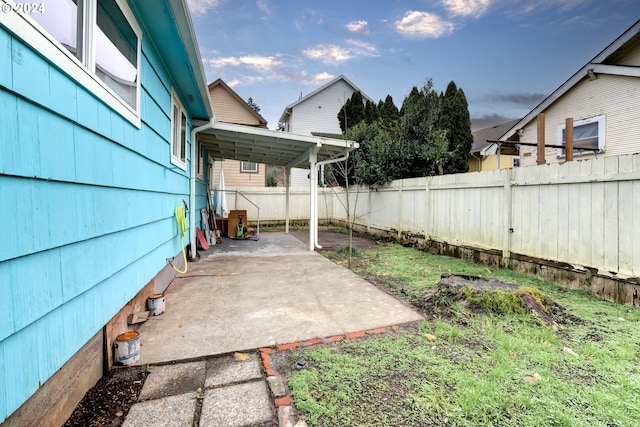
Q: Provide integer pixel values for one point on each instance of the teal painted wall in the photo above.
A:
(86, 210)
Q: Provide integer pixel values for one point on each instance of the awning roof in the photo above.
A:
(250, 144)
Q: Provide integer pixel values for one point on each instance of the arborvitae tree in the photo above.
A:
(253, 105)
(455, 120)
(389, 113)
(418, 120)
(371, 112)
(352, 112)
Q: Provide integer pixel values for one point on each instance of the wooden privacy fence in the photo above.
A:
(584, 215)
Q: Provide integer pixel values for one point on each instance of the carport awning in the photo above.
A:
(250, 144)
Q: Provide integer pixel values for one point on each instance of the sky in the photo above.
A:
(506, 55)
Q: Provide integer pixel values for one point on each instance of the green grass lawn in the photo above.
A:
(483, 368)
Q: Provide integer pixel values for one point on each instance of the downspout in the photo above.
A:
(192, 185)
(321, 164)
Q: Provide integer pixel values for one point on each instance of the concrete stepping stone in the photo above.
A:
(175, 379)
(228, 370)
(237, 405)
(175, 411)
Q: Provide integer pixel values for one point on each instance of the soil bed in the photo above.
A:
(109, 401)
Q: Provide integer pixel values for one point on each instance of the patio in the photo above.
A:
(244, 295)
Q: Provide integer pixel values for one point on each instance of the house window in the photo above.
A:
(588, 135)
(116, 51)
(102, 37)
(178, 135)
(249, 167)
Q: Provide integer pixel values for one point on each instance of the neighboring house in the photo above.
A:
(95, 136)
(231, 108)
(601, 98)
(317, 114)
(479, 162)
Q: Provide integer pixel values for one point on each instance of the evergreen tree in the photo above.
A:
(418, 120)
(455, 120)
(371, 112)
(352, 112)
(389, 113)
(253, 105)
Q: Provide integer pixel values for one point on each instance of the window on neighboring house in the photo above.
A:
(588, 135)
(178, 135)
(249, 167)
(104, 37)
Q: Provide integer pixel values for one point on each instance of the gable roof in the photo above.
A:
(289, 107)
(219, 82)
(480, 136)
(602, 63)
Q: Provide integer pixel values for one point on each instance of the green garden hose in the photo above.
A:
(181, 219)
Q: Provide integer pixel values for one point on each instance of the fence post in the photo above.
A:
(427, 210)
(508, 217)
(400, 208)
(541, 140)
(568, 138)
(369, 209)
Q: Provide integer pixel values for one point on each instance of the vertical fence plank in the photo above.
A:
(610, 216)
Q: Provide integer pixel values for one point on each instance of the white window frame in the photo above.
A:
(601, 136)
(179, 152)
(246, 170)
(33, 34)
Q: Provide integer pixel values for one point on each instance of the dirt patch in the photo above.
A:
(109, 401)
(490, 295)
(334, 241)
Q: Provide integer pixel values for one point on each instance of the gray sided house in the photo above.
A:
(317, 114)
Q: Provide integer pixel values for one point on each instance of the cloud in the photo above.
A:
(319, 78)
(526, 6)
(263, 5)
(471, 8)
(334, 54)
(488, 120)
(328, 53)
(362, 48)
(249, 70)
(357, 26)
(423, 25)
(255, 62)
(523, 99)
(201, 7)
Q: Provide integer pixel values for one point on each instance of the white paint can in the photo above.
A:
(126, 348)
(155, 304)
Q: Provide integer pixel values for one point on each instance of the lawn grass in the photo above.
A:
(482, 369)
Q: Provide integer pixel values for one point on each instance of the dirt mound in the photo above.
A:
(480, 294)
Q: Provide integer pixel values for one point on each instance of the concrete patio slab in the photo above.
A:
(244, 295)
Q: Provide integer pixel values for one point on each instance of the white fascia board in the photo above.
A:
(617, 70)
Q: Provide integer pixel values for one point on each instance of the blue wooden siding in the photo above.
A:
(86, 210)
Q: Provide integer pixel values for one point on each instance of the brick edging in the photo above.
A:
(266, 352)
